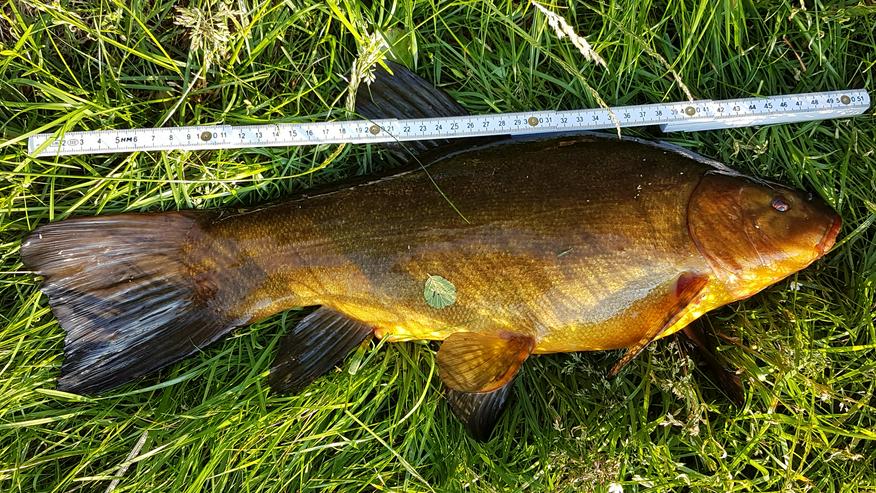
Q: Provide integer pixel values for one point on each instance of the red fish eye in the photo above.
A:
(779, 204)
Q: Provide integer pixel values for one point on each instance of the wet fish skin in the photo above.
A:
(566, 251)
(553, 245)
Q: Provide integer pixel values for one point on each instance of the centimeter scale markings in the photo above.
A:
(678, 116)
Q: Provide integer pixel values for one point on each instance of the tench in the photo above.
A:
(530, 246)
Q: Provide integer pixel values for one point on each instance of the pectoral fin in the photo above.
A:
(475, 362)
(479, 411)
(726, 380)
(678, 296)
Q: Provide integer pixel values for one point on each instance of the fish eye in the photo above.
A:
(779, 204)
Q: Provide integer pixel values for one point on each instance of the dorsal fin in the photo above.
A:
(403, 94)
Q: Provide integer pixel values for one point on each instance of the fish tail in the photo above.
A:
(133, 293)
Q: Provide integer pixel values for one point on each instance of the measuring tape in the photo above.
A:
(672, 117)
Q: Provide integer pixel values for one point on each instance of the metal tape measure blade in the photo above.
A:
(671, 117)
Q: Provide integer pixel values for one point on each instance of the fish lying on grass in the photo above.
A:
(502, 250)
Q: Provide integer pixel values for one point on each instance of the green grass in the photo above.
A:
(209, 423)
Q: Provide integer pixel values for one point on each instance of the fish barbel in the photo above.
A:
(570, 243)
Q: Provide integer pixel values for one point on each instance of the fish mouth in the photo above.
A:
(829, 237)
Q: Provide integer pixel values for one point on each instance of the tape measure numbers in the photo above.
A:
(672, 117)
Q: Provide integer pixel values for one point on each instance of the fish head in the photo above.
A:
(755, 234)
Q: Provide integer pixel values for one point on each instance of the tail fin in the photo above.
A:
(134, 293)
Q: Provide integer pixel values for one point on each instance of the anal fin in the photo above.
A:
(678, 296)
(479, 411)
(317, 344)
(477, 362)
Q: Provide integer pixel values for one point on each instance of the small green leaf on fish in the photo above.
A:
(439, 292)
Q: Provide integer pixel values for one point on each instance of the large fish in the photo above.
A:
(572, 243)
